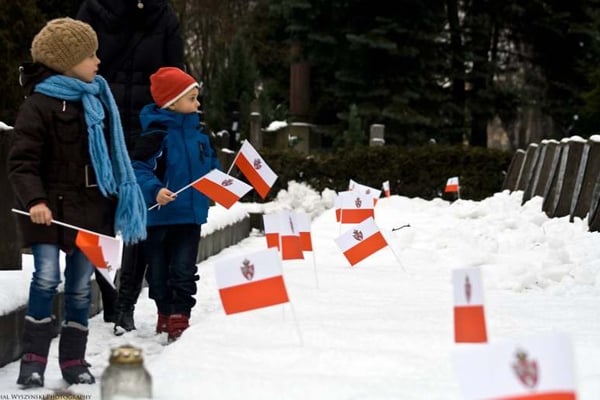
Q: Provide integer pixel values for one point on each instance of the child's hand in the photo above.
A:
(40, 214)
(165, 196)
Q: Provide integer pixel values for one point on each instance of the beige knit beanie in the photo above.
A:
(64, 43)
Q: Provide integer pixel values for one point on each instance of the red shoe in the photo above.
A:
(176, 324)
(161, 323)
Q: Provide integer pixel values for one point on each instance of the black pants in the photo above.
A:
(172, 271)
(131, 276)
(109, 295)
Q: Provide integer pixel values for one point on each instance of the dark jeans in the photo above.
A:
(171, 252)
(46, 278)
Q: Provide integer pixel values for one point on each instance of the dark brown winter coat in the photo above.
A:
(49, 162)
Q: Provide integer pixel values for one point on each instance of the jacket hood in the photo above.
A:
(152, 114)
(30, 74)
(115, 13)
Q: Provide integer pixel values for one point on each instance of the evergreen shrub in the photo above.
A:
(412, 171)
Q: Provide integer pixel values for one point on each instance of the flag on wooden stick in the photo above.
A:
(361, 241)
(364, 189)
(452, 185)
(221, 188)
(255, 169)
(104, 252)
(353, 207)
(469, 316)
(250, 281)
(271, 225)
(281, 227)
(386, 188)
(302, 222)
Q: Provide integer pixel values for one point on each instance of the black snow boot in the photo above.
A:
(37, 336)
(124, 322)
(71, 354)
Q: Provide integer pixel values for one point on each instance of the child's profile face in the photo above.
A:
(188, 103)
(86, 70)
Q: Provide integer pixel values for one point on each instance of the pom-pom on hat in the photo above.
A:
(169, 84)
(63, 43)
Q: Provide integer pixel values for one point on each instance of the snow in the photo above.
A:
(380, 330)
(276, 125)
(5, 127)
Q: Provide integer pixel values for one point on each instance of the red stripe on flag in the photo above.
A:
(469, 324)
(249, 296)
(252, 175)
(305, 241)
(554, 395)
(88, 244)
(272, 240)
(216, 192)
(365, 248)
(451, 189)
(290, 248)
(352, 216)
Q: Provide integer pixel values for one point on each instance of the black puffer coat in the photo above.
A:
(133, 44)
(48, 162)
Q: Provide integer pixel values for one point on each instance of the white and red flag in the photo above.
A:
(221, 188)
(104, 252)
(255, 169)
(469, 315)
(532, 368)
(361, 241)
(386, 188)
(353, 207)
(250, 281)
(452, 185)
(302, 222)
(364, 189)
(271, 225)
(281, 231)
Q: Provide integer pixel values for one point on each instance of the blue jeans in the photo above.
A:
(46, 278)
(171, 252)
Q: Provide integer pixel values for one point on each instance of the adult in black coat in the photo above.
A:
(136, 38)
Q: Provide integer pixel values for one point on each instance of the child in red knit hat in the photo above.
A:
(173, 151)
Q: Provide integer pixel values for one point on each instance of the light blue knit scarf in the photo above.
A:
(114, 176)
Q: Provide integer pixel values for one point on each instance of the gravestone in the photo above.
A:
(586, 179)
(514, 168)
(528, 164)
(536, 161)
(542, 179)
(566, 177)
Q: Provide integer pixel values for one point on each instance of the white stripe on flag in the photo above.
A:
(364, 189)
(468, 290)
(266, 265)
(525, 368)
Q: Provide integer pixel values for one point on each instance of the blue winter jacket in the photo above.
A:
(173, 151)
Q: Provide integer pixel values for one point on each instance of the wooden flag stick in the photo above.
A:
(233, 162)
(177, 192)
(315, 268)
(65, 224)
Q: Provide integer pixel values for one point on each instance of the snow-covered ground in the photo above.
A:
(380, 330)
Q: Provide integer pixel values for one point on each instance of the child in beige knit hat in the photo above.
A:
(63, 43)
(60, 167)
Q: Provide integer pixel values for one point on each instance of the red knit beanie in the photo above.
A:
(169, 84)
